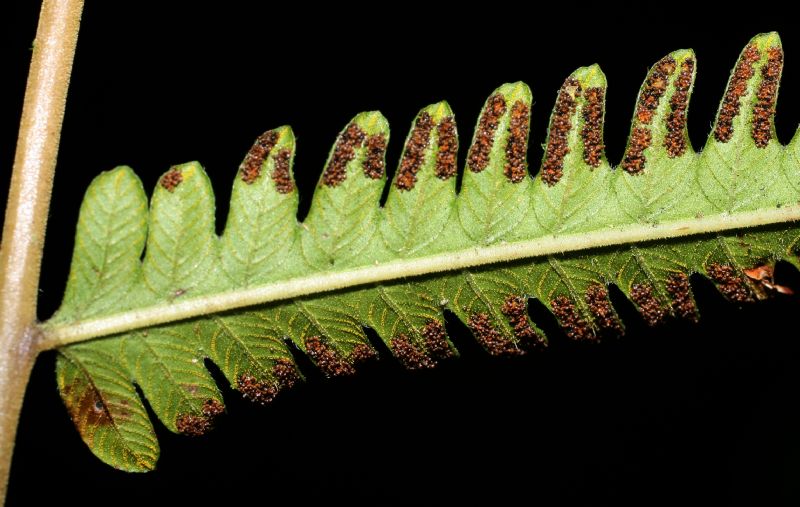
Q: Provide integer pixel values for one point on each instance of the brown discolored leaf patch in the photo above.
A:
(171, 179)
(86, 406)
(280, 174)
(592, 131)
(634, 159)
(560, 125)
(654, 88)
(327, 358)
(574, 325)
(515, 309)
(737, 87)
(649, 306)
(683, 304)
(490, 338)
(602, 311)
(414, 154)
(764, 276)
(765, 98)
(375, 163)
(729, 282)
(409, 354)
(250, 169)
(517, 142)
(436, 340)
(198, 425)
(446, 156)
(487, 128)
(343, 153)
(675, 140)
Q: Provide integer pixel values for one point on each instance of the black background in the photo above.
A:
(681, 413)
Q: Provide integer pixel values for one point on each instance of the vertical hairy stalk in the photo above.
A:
(26, 212)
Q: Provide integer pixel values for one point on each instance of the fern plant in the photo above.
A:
(270, 287)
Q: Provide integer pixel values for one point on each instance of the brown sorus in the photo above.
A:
(436, 340)
(592, 131)
(634, 159)
(765, 103)
(574, 325)
(675, 140)
(286, 372)
(654, 88)
(362, 353)
(410, 355)
(651, 310)
(171, 179)
(729, 282)
(326, 358)
(515, 310)
(737, 87)
(196, 426)
(375, 162)
(560, 125)
(484, 138)
(682, 302)
(490, 338)
(280, 174)
(517, 142)
(343, 152)
(252, 389)
(414, 154)
(602, 311)
(447, 148)
(250, 169)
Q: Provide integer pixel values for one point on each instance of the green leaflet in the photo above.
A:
(561, 237)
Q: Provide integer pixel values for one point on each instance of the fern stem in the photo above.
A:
(26, 212)
(58, 335)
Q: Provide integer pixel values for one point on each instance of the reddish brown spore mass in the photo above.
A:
(280, 174)
(375, 163)
(765, 103)
(682, 302)
(344, 151)
(651, 310)
(560, 125)
(252, 389)
(515, 310)
(675, 140)
(362, 353)
(414, 154)
(410, 355)
(634, 159)
(171, 179)
(654, 88)
(602, 311)
(484, 139)
(517, 143)
(574, 326)
(447, 149)
(286, 373)
(196, 426)
(736, 89)
(436, 340)
(251, 166)
(489, 337)
(326, 358)
(592, 131)
(729, 282)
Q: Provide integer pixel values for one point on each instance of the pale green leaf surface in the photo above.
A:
(418, 242)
